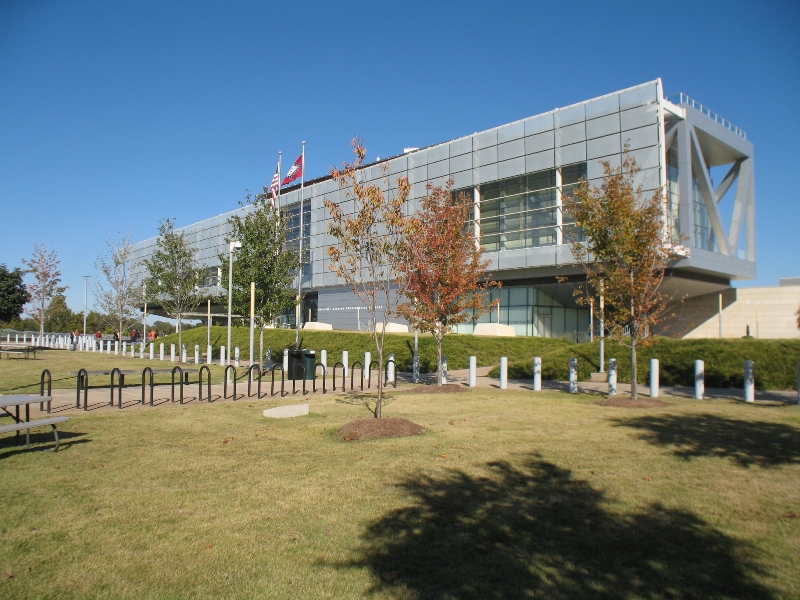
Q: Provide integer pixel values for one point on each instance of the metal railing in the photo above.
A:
(689, 101)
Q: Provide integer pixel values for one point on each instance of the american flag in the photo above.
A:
(273, 189)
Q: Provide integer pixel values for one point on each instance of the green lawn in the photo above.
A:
(508, 495)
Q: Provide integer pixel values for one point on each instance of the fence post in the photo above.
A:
(699, 380)
(503, 373)
(654, 378)
(537, 373)
(612, 376)
(473, 371)
(749, 381)
(573, 375)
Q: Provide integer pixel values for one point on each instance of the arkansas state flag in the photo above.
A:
(295, 172)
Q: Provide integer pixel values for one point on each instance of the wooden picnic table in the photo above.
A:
(19, 424)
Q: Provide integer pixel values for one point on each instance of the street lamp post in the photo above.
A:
(85, 300)
(233, 246)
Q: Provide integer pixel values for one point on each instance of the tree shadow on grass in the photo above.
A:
(535, 531)
(745, 442)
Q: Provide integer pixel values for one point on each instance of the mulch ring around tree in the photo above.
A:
(371, 429)
(446, 388)
(628, 403)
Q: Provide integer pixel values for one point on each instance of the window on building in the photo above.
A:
(293, 215)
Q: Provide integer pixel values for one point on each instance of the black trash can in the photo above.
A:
(301, 364)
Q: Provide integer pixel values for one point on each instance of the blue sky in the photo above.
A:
(115, 115)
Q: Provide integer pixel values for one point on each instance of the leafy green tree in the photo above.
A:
(618, 237)
(264, 258)
(174, 275)
(13, 294)
(44, 266)
(369, 244)
(59, 316)
(118, 293)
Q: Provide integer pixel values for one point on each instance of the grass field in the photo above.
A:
(507, 495)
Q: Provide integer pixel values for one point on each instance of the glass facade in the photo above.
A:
(673, 196)
(293, 215)
(702, 231)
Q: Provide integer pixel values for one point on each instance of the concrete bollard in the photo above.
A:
(654, 381)
(444, 369)
(473, 371)
(268, 363)
(345, 359)
(798, 383)
(612, 376)
(285, 360)
(503, 373)
(184, 357)
(749, 381)
(390, 369)
(172, 352)
(699, 380)
(222, 356)
(415, 368)
(537, 373)
(124, 348)
(573, 375)
(367, 359)
(323, 358)
(236, 357)
(152, 350)
(161, 351)
(197, 354)
(210, 351)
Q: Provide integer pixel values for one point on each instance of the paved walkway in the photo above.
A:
(98, 399)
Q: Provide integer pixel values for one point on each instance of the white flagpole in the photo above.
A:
(280, 174)
(299, 314)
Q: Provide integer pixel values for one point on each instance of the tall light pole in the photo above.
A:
(233, 246)
(85, 300)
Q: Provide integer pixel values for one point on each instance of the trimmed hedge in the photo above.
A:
(775, 362)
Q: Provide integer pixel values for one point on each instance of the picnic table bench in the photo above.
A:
(18, 400)
(18, 349)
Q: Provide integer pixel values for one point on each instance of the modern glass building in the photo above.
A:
(518, 176)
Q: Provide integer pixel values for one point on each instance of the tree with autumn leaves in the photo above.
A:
(45, 268)
(618, 237)
(442, 270)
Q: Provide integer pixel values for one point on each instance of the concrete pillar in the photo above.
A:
(184, 357)
(537, 373)
(367, 359)
(654, 378)
(210, 351)
(345, 359)
(161, 351)
(236, 356)
(152, 350)
(323, 358)
(749, 381)
(222, 356)
(444, 369)
(612, 376)
(390, 368)
(699, 380)
(124, 348)
(172, 352)
(286, 360)
(473, 371)
(415, 368)
(503, 373)
(573, 375)
(197, 354)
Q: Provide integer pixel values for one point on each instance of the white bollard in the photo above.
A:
(654, 381)
(172, 352)
(612, 376)
(699, 380)
(537, 373)
(503, 373)
(210, 354)
(16, 338)
(324, 359)
(390, 369)
(444, 369)
(161, 351)
(573, 375)
(285, 360)
(197, 354)
(222, 356)
(749, 381)
(124, 348)
(367, 360)
(141, 349)
(133, 349)
(184, 357)
(798, 383)
(473, 371)
(236, 356)
(345, 360)
(152, 350)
